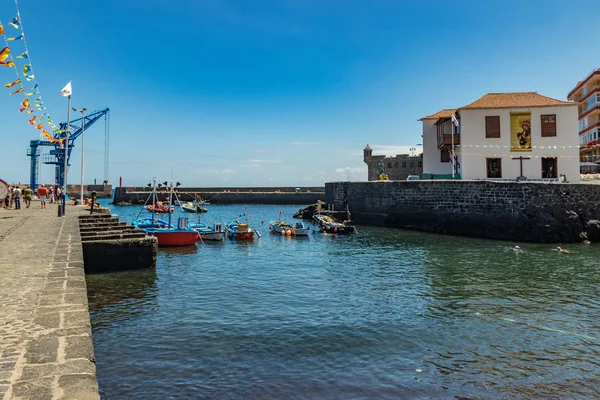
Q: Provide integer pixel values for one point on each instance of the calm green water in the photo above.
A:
(382, 314)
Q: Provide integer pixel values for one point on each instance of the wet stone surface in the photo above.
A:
(46, 349)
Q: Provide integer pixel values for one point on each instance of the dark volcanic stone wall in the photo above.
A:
(527, 211)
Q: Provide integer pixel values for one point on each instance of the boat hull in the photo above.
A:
(240, 235)
(212, 235)
(174, 237)
(282, 230)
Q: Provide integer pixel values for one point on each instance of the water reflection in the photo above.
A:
(120, 295)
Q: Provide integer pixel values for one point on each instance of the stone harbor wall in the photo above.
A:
(397, 168)
(524, 212)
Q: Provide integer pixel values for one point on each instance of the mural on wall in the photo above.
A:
(520, 132)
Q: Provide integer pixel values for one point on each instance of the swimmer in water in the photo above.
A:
(561, 250)
(517, 249)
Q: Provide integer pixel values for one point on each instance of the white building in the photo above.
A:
(504, 136)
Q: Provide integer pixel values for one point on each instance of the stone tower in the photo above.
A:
(367, 153)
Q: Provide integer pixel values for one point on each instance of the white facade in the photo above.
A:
(476, 148)
(432, 163)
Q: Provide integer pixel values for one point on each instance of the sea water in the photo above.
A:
(382, 314)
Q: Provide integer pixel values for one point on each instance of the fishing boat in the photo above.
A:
(237, 230)
(166, 233)
(283, 228)
(329, 224)
(195, 207)
(206, 232)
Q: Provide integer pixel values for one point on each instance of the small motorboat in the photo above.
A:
(195, 207)
(215, 232)
(328, 224)
(160, 207)
(283, 228)
(236, 230)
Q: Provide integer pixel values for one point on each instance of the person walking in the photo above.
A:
(11, 193)
(27, 193)
(17, 194)
(51, 194)
(43, 192)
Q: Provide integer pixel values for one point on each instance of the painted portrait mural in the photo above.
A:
(520, 132)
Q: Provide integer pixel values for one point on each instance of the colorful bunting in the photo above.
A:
(9, 64)
(25, 104)
(15, 38)
(15, 22)
(4, 53)
(13, 83)
(19, 90)
(30, 77)
(29, 111)
(26, 69)
(32, 120)
(24, 55)
(1, 30)
(39, 126)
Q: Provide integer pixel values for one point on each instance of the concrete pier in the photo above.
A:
(46, 349)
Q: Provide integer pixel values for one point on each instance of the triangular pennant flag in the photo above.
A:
(30, 77)
(1, 30)
(19, 90)
(25, 104)
(32, 120)
(39, 126)
(26, 69)
(8, 64)
(66, 91)
(34, 87)
(13, 83)
(24, 55)
(15, 22)
(29, 111)
(4, 53)
(15, 38)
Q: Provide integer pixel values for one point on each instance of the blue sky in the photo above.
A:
(283, 93)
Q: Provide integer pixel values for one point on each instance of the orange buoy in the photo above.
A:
(288, 232)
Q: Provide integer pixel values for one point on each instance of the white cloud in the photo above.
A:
(254, 161)
(345, 170)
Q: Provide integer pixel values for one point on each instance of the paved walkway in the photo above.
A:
(46, 349)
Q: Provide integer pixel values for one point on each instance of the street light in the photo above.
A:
(82, 111)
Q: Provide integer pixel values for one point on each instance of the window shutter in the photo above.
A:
(492, 126)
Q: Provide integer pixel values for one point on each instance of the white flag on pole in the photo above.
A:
(454, 120)
(66, 91)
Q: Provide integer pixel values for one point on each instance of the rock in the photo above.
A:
(308, 212)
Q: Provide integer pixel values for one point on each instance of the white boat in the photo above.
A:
(215, 232)
(283, 228)
(195, 207)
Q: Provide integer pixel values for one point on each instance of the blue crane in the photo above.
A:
(57, 155)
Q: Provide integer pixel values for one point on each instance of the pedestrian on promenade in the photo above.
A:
(51, 194)
(11, 193)
(27, 193)
(43, 192)
(6, 200)
(17, 194)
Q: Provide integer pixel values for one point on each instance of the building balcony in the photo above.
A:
(446, 140)
(589, 109)
(590, 90)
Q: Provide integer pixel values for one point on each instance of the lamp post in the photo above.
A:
(82, 111)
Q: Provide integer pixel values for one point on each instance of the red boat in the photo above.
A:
(160, 207)
(175, 237)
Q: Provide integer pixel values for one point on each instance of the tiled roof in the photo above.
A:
(445, 113)
(515, 100)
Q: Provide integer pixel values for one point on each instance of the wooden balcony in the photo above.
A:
(446, 140)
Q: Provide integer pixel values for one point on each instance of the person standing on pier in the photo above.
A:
(51, 194)
(43, 192)
(17, 194)
(27, 193)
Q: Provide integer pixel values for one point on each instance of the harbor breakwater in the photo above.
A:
(242, 195)
(517, 211)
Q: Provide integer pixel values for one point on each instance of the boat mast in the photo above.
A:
(170, 202)
(153, 200)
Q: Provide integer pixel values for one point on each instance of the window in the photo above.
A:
(492, 127)
(548, 125)
(403, 164)
(420, 164)
(412, 164)
(395, 165)
(549, 167)
(389, 165)
(444, 156)
(494, 167)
